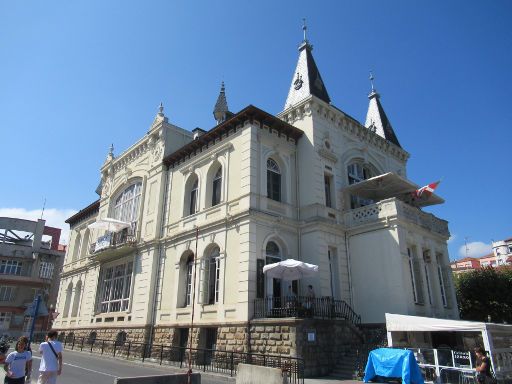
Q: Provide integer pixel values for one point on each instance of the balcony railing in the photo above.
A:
(114, 240)
(304, 307)
(395, 208)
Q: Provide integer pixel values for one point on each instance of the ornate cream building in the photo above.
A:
(206, 210)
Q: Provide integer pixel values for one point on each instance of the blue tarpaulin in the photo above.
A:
(389, 362)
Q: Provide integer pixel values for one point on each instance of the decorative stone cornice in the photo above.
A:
(313, 106)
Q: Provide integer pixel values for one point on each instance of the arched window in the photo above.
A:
(273, 180)
(85, 244)
(67, 302)
(216, 187)
(120, 338)
(92, 337)
(76, 299)
(126, 207)
(76, 246)
(191, 204)
(357, 172)
(211, 276)
(185, 282)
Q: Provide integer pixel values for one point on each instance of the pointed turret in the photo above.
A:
(306, 80)
(220, 112)
(376, 118)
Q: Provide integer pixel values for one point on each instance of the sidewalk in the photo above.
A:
(330, 380)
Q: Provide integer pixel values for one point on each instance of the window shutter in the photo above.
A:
(260, 279)
(203, 281)
(419, 281)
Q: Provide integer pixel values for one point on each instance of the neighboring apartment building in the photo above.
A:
(30, 262)
(311, 184)
(465, 264)
(501, 256)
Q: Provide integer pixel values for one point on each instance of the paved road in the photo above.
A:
(84, 368)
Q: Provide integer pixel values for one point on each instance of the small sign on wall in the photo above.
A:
(311, 335)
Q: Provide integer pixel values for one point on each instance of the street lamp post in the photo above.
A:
(189, 372)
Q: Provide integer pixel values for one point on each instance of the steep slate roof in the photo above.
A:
(221, 106)
(249, 113)
(83, 213)
(377, 119)
(306, 78)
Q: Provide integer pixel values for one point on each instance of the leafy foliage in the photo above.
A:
(485, 292)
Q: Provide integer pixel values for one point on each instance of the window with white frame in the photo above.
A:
(415, 272)
(328, 187)
(442, 280)
(356, 173)
(115, 288)
(216, 187)
(6, 293)
(126, 206)
(46, 270)
(192, 195)
(5, 320)
(211, 276)
(188, 281)
(273, 180)
(10, 267)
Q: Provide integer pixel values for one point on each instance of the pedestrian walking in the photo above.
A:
(4, 347)
(51, 359)
(18, 364)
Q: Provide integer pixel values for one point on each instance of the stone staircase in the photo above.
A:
(346, 364)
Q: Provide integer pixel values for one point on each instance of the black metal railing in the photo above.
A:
(304, 307)
(206, 360)
(113, 240)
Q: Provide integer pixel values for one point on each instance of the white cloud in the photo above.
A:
(475, 249)
(54, 218)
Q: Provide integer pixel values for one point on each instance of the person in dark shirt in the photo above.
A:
(483, 367)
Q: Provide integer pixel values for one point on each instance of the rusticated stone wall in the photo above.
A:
(321, 343)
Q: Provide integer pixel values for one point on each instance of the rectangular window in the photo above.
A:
(115, 288)
(193, 201)
(5, 320)
(274, 186)
(427, 279)
(189, 283)
(416, 280)
(45, 270)
(6, 293)
(10, 267)
(328, 191)
(441, 285)
(213, 274)
(260, 279)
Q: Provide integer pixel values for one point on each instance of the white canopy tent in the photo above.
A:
(497, 338)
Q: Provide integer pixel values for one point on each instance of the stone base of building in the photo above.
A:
(321, 343)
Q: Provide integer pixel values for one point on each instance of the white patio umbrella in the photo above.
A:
(109, 224)
(290, 269)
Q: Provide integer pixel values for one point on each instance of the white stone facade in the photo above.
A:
(380, 256)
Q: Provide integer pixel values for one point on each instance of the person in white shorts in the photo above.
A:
(51, 360)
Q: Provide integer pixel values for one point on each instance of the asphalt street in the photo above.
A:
(84, 368)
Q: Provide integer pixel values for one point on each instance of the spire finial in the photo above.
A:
(371, 81)
(161, 109)
(110, 155)
(304, 29)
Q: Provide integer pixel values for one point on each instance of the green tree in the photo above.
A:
(485, 292)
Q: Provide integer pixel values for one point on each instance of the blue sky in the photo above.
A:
(77, 76)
